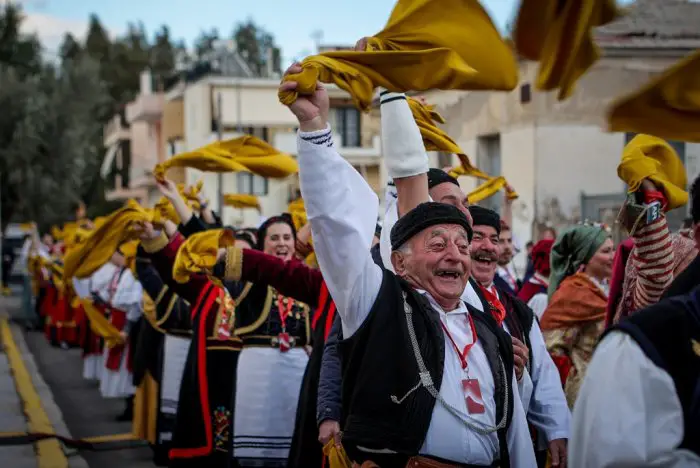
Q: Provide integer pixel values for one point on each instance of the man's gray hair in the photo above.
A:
(404, 249)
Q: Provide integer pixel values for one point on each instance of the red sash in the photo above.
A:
(115, 354)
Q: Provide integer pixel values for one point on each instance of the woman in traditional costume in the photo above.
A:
(276, 331)
(122, 302)
(202, 433)
(295, 280)
(162, 334)
(581, 265)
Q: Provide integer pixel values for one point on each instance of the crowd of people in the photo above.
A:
(324, 338)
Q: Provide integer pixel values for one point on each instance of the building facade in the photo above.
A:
(557, 155)
(211, 107)
(134, 143)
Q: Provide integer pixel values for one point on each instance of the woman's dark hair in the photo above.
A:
(284, 218)
(247, 237)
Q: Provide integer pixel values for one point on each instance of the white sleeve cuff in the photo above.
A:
(319, 137)
(402, 144)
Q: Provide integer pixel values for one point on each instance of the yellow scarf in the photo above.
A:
(241, 200)
(648, 157)
(243, 154)
(559, 35)
(426, 44)
(98, 248)
(668, 106)
(199, 253)
(490, 187)
(101, 325)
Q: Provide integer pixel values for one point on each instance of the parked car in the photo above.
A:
(12, 242)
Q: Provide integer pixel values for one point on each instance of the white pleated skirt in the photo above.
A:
(93, 365)
(116, 384)
(267, 392)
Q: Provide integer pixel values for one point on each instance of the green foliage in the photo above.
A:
(257, 47)
(53, 114)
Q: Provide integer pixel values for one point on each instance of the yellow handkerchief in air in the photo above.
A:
(241, 200)
(559, 35)
(243, 154)
(649, 157)
(668, 106)
(104, 240)
(434, 138)
(426, 44)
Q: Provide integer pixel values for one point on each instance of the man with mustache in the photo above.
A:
(411, 329)
(541, 388)
(548, 410)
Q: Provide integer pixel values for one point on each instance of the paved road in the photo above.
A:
(12, 420)
(83, 409)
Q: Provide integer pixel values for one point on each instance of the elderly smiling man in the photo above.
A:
(427, 383)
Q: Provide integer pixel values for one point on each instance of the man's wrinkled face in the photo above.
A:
(485, 252)
(437, 261)
(451, 194)
(506, 246)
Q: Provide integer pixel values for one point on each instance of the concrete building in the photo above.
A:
(243, 104)
(557, 155)
(134, 143)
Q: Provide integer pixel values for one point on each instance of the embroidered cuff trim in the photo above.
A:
(234, 264)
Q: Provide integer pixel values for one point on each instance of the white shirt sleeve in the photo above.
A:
(342, 210)
(548, 409)
(81, 287)
(391, 215)
(538, 304)
(627, 413)
(522, 454)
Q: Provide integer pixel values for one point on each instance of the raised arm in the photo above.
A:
(406, 162)
(403, 150)
(293, 278)
(341, 208)
(162, 252)
(147, 274)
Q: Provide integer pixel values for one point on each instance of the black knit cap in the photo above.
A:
(423, 216)
(438, 176)
(485, 217)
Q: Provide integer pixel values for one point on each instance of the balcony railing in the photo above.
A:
(116, 129)
(147, 107)
(287, 142)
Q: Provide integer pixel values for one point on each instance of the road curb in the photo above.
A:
(40, 408)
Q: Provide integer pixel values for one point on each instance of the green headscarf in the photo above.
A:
(573, 248)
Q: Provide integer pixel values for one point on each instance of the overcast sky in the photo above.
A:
(292, 22)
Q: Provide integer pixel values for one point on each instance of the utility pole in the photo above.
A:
(220, 136)
(317, 37)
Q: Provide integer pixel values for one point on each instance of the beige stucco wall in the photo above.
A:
(551, 150)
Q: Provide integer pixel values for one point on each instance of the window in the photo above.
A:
(489, 160)
(345, 121)
(525, 93)
(444, 160)
(251, 184)
(259, 132)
